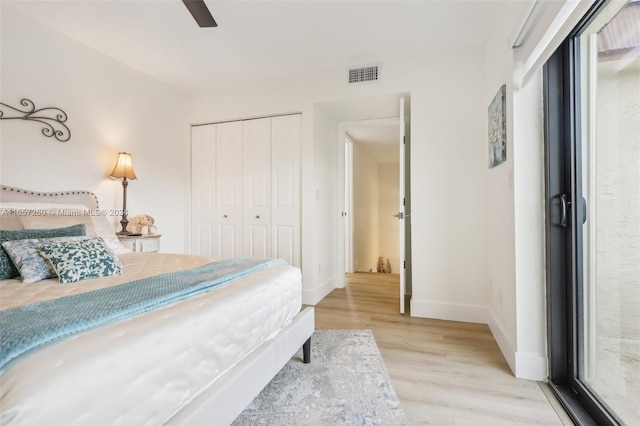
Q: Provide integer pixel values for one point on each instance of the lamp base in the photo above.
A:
(124, 222)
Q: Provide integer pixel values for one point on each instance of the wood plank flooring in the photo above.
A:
(445, 372)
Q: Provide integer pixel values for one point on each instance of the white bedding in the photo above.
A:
(161, 359)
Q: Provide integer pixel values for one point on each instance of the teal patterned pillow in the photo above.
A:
(7, 268)
(31, 265)
(79, 260)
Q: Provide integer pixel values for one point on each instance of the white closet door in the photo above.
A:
(256, 232)
(228, 175)
(203, 157)
(285, 187)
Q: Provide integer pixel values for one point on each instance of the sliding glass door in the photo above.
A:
(592, 90)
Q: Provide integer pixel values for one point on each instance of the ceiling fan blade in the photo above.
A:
(200, 13)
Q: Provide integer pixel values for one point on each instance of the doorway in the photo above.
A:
(375, 189)
(331, 120)
(373, 186)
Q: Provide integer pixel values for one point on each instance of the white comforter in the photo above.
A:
(143, 370)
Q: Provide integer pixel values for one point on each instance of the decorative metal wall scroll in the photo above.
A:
(52, 118)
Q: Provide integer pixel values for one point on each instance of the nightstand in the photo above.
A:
(141, 243)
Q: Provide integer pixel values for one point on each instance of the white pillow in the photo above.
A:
(51, 221)
(105, 231)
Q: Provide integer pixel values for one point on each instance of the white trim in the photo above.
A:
(531, 366)
(506, 347)
(348, 200)
(557, 30)
(529, 23)
(523, 365)
(314, 296)
(449, 311)
(257, 117)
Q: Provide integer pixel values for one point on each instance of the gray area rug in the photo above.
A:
(346, 383)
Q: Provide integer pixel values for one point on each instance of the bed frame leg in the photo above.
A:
(306, 351)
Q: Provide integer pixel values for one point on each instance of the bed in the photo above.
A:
(197, 360)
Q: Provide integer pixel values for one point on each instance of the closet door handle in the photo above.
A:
(224, 216)
(257, 216)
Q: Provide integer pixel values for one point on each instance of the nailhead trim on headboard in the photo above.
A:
(51, 194)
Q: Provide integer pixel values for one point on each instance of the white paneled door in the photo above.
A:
(285, 184)
(245, 188)
(228, 176)
(203, 156)
(256, 166)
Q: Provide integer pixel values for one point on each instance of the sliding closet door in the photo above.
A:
(285, 178)
(245, 188)
(256, 168)
(228, 175)
(203, 157)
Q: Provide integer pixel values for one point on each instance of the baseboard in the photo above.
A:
(531, 367)
(449, 311)
(523, 365)
(313, 296)
(507, 349)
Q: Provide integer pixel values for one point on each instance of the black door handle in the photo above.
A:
(564, 204)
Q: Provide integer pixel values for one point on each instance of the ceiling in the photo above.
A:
(380, 141)
(261, 39)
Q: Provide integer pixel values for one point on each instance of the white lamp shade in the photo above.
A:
(124, 167)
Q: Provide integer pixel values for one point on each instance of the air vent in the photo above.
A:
(363, 74)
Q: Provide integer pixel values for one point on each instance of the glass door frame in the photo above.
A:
(565, 214)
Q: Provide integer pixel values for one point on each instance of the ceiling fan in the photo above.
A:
(200, 13)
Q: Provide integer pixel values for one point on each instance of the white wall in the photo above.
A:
(111, 108)
(500, 209)
(515, 207)
(325, 209)
(528, 182)
(366, 226)
(375, 196)
(388, 203)
(448, 191)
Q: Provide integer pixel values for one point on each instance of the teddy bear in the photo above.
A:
(142, 224)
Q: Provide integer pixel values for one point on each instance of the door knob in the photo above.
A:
(257, 216)
(224, 216)
(399, 215)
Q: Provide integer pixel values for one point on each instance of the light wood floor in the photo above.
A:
(445, 372)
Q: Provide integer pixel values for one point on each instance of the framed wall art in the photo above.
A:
(498, 128)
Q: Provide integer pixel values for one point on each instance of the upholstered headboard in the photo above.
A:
(24, 198)
(10, 194)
